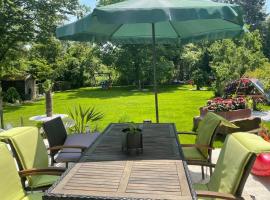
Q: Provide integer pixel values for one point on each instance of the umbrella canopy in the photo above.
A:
(156, 21)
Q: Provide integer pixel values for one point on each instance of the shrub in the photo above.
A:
(82, 117)
(11, 95)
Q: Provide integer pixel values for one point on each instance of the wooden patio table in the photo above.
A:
(105, 172)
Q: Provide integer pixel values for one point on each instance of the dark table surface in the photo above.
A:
(105, 172)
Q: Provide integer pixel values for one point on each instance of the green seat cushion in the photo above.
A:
(10, 182)
(42, 180)
(198, 186)
(34, 196)
(192, 153)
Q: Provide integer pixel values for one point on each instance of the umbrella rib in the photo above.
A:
(178, 36)
(115, 30)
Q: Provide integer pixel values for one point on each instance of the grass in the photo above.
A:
(177, 104)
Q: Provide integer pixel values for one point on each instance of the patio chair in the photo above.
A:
(234, 164)
(58, 138)
(205, 134)
(31, 154)
(10, 182)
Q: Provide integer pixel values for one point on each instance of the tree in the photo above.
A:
(231, 60)
(254, 12)
(23, 21)
(266, 38)
(262, 73)
(196, 58)
(78, 65)
(108, 2)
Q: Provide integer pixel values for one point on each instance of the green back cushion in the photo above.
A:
(10, 183)
(207, 129)
(29, 146)
(232, 160)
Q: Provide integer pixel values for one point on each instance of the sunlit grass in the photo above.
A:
(177, 104)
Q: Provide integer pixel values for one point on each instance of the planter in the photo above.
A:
(229, 115)
(132, 141)
(261, 166)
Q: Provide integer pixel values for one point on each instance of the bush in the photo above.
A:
(11, 95)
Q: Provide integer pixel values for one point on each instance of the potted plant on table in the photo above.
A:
(132, 138)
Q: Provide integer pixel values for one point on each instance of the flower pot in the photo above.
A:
(229, 115)
(132, 141)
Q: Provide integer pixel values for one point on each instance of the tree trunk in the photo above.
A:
(1, 108)
(49, 108)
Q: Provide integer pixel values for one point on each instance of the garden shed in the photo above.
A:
(24, 84)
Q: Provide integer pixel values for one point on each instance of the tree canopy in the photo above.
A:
(25, 21)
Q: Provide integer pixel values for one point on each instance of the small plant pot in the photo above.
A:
(132, 141)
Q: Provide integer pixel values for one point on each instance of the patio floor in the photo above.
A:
(258, 187)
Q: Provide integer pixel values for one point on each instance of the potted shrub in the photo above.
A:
(132, 138)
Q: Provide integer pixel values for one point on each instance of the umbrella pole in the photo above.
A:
(155, 70)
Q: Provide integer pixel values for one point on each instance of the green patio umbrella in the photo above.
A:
(156, 21)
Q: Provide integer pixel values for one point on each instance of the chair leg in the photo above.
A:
(211, 171)
(52, 160)
(203, 176)
(66, 164)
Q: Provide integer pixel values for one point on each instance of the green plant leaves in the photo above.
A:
(83, 116)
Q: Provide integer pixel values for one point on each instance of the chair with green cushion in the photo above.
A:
(202, 149)
(235, 161)
(31, 155)
(10, 183)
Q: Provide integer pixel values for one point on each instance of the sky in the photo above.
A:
(92, 4)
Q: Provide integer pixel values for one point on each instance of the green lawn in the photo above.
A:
(177, 105)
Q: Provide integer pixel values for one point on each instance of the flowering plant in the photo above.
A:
(242, 86)
(221, 105)
(264, 133)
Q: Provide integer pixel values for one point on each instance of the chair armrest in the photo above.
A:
(200, 163)
(211, 194)
(45, 171)
(55, 148)
(187, 133)
(197, 146)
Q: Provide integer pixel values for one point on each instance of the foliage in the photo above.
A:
(23, 21)
(132, 128)
(262, 73)
(254, 12)
(266, 37)
(11, 95)
(223, 105)
(264, 133)
(83, 116)
(231, 60)
(108, 2)
(78, 65)
(47, 85)
(195, 57)
(243, 86)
